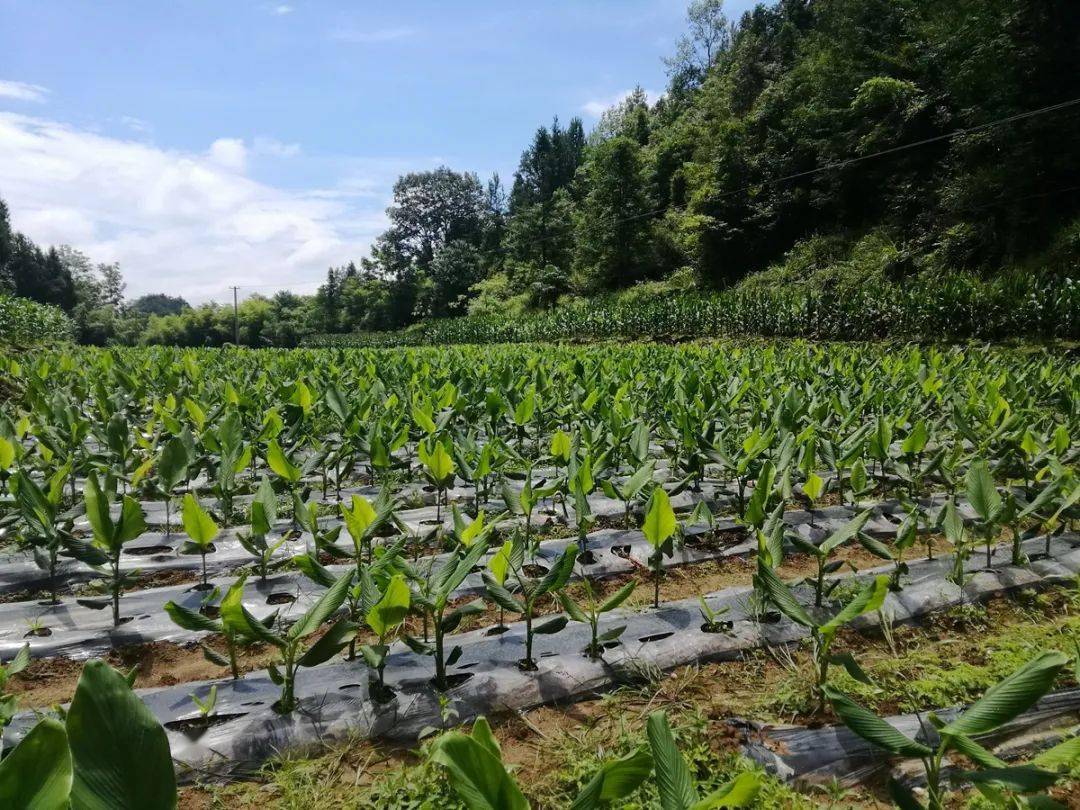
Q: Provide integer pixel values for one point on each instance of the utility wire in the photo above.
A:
(852, 160)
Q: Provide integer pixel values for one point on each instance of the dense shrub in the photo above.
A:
(26, 323)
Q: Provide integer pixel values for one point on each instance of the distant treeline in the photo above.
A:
(837, 148)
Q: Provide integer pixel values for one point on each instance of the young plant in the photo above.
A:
(1048, 507)
(201, 531)
(531, 590)
(590, 611)
(171, 471)
(906, 536)
(283, 467)
(293, 653)
(658, 528)
(262, 514)
(207, 705)
(385, 619)
(438, 469)
(820, 554)
(233, 456)
(435, 589)
(713, 621)
(228, 624)
(475, 771)
(630, 489)
(523, 503)
(581, 484)
(987, 503)
(675, 783)
(1001, 703)
(822, 635)
(363, 520)
(46, 529)
(110, 535)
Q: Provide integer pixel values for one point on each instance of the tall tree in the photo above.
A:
(613, 221)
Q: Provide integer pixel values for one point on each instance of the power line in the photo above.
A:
(852, 160)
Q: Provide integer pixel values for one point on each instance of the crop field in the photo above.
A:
(773, 574)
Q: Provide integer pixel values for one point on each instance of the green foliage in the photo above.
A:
(25, 323)
(109, 753)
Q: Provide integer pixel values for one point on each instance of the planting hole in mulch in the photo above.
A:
(455, 680)
(655, 637)
(534, 570)
(148, 551)
(201, 723)
(497, 630)
(280, 599)
(38, 632)
(621, 551)
(191, 552)
(717, 627)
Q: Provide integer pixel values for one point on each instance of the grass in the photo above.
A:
(553, 750)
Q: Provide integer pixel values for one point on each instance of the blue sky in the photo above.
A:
(203, 144)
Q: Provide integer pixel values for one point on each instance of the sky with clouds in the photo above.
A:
(202, 144)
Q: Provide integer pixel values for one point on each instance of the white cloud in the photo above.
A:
(281, 10)
(597, 106)
(378, 35)
(185, 223)
(229, 153)
(274, 148)
(136, 124)
(21, 91)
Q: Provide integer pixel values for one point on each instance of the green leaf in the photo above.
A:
(673, 780)
(7, 453)
(560, 445)
(739, 792)
(814, 486)
(37, 774)
(329, 644)
(191, 619)
(1008, 698)
(323, 609)
(660, 521)
(851, 666)
(281, 465)
(981, 491)
(237, 620)
(614, 780)
(359, 517)
(872, 728)
(867, 600)
(1017, 778)
(915, 441)
(198, 524)
(120, 752)
(391, 610)
(476, 775)
(638, 480)
(97, 512)
(1063, 755)
(618, 597)
(173, 464)
(781, 596)
(844, 533)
